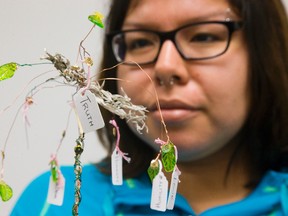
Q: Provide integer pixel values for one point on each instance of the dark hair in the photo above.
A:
(264, 137)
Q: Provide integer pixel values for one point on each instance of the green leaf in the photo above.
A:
(54, 171)
(7, 70)
(6, 191)
(153, 169)
(97, 19)
(168, 156)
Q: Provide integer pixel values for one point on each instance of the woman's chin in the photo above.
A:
(186, 150)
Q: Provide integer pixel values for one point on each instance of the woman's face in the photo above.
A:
(207, 104)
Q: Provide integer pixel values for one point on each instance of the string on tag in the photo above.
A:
(123, 155)
(117, 158)
(159, 141)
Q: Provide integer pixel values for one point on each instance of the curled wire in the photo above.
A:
(78, 149)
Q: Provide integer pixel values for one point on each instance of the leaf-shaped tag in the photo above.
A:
(6, 191)
(153, 169)
(7, 70)
(97, 18)
(168, 156)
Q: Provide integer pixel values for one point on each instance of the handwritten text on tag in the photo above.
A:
(56, 194)
(173, 188)
(88, 111)
(159, 192)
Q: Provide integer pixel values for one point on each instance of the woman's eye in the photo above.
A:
(205, 38)
(138, 44)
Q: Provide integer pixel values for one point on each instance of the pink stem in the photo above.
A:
(113, 122)
(159, 141)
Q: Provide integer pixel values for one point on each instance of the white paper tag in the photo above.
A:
(173, 188)
(159, 192)
(88, 111)
(117, 167)
(55, 194)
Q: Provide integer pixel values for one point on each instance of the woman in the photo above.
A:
(221, 74)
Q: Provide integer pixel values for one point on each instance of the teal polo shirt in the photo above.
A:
(101, 198)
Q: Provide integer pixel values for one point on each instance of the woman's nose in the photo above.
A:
(170, 67)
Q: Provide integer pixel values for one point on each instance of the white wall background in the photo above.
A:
(27, 27)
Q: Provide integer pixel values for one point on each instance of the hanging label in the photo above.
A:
(159, 192)
(117, 163)
(173, 188)
(56, 194)
(88, 111)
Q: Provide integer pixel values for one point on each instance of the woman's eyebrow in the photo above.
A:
(221, 15)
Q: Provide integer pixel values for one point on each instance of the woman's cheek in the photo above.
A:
(136, 84)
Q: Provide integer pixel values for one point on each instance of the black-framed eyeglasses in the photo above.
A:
(196, 41)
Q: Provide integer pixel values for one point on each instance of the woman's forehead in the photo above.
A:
(175, 12)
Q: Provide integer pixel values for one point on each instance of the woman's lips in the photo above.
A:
(174, 112)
